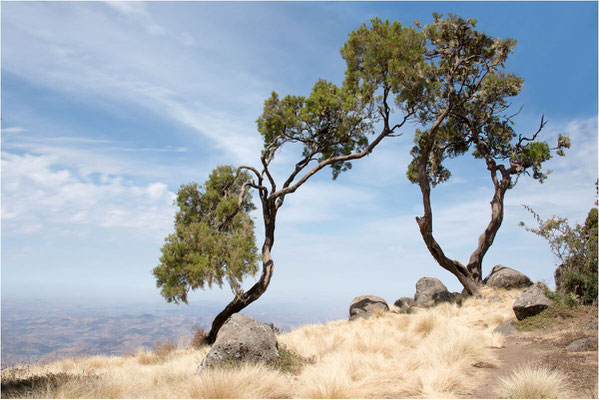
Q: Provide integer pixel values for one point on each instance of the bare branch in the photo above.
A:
(254, 170)
(522, 139)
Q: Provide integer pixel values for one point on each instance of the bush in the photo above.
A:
(200, 338)
(163, 349)
(576, 250)
(288, 361)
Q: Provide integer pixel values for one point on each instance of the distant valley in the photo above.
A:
(45, 331)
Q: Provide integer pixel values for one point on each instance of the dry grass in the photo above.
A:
(535, 382)
(427, 354)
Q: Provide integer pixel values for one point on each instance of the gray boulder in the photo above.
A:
(365, 306)
(404, 302)
(242, 339)
(431, 290)
(506, 278)
(506, 328)
(531, 302)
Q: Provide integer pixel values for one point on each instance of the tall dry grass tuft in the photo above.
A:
(534, 382)
(245, 381)
(430, 353)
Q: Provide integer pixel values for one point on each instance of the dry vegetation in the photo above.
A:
(535, 382)
(427, 354)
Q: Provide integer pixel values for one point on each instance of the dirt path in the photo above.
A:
(545, 347)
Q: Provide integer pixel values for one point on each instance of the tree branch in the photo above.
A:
(331, 160)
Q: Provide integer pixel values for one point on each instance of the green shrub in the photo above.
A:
(288, 361)
(575, 247)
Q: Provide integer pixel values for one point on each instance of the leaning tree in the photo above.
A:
(464, 107)
(333, 126)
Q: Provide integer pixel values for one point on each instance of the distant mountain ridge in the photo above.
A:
(45, 331)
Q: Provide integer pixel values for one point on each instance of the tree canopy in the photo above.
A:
(464, 106)
(214, 238)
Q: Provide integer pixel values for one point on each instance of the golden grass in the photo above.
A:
(428, 354)
(534, 382)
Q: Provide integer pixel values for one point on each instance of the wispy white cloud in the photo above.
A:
(13, 129)
(40, 195)
(137, 12)
(121, 69)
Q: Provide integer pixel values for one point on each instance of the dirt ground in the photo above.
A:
(547, 347)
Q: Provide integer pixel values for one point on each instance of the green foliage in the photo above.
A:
(575, 248)
(329, 123)
(465, 76)
(288, 361)
(567, 299)
(213, 239)
(385, 56)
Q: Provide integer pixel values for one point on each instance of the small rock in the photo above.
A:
(365, 306)
(431, 289)
(404, 302)
(584, 344)
(592, 326)
(506, 328)
(242, 339)
(531, 302)
(506, 278)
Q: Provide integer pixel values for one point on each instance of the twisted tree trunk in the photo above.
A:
(470, 276)
(425, 223)
(244, 299)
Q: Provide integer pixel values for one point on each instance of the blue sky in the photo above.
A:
(108, 107)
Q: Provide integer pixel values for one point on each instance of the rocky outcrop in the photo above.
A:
(242, 339)
(531, 302)
(365, 306)
(431, 290)
(506, 278)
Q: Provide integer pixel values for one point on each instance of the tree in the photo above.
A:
(332, 126)
(463, 106)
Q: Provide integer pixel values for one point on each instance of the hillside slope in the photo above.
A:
(446, 351)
